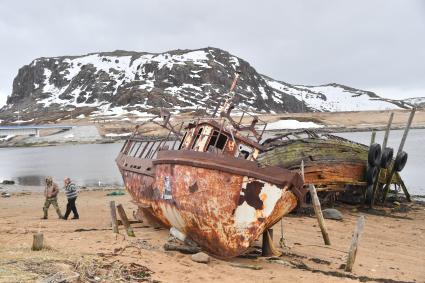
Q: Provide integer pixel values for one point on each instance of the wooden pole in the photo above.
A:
(387, 131)
(372, 137)
(37, 242)
(376, 185)
(354, 244)
(400, 149)
(114, 216)
(267, 248)
(406, 130)
(316, 205)
(302, 169)
(403, 187)
(125, 221)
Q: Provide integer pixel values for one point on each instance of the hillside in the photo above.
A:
(138, 83)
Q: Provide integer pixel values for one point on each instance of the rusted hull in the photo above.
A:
(223, 212)
(221, 202)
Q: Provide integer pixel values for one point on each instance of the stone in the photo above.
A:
(201, 257)
(332, 213)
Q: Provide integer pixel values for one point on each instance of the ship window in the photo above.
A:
(215, 144)
(195, 142)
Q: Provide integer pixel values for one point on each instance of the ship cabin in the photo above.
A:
(210, 136)
(202, 136)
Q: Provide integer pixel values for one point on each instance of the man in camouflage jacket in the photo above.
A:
(51, 193)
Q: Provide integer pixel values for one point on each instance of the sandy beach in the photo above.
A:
(391, 247)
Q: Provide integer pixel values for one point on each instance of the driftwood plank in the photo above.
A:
(354, 243)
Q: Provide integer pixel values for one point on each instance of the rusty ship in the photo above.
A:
(207, 183)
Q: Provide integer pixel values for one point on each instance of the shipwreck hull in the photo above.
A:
(326, 161)
(222, 204)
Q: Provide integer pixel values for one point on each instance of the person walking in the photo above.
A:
(71, 195)
(51, 193)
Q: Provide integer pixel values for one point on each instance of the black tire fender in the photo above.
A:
(400, 161)
(371, 174)
(386, 157)
(374, 155)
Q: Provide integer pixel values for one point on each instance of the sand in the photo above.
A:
(392, 247)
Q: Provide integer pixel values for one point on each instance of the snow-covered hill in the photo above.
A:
(123, 82)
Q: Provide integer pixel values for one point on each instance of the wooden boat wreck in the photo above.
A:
(207, 184)
(339, 168)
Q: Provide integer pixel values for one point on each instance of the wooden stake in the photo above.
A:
(114, 217)
(125, 221)
(37, 242)
(268, 248)
(406, 130)
(372, 138)
(400, 149)
(302, 169)
(354, 244)
(316, 205)
(387, 131)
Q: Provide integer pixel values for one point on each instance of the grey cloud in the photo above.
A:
(364, 44)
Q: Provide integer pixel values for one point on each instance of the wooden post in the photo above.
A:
(316, 205)
(354, 243)
(372, 138)
(302, 169)
(387, 131)
(268, 248)
(114, 217)
(125, 221)
(37, 242)
(406, 130)
(403, 187)
(400, 149)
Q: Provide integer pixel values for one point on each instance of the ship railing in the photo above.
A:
(148, 148)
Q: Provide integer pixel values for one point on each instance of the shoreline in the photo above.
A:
(390, 249)
(88, 132)
(330, 130)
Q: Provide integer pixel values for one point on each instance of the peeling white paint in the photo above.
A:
(269, 194)
(244, 215)
(173, 216)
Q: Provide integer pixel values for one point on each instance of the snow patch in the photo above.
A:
(292, 124)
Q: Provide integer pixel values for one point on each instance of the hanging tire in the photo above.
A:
(371, 174)
(374, 154)
(386, 157)
(400, 161)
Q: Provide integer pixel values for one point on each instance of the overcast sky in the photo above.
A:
(373, 45)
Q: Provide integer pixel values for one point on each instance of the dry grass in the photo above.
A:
(49, 265)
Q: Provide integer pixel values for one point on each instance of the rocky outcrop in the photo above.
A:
(140, 83)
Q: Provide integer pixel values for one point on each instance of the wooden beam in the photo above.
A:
(125, 221)
(372, 137)
(400, 149)
(318, 211)
(354, 244)
(406, 130)
(387, 131)
(114, 217)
